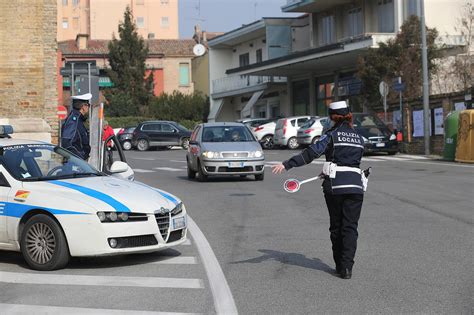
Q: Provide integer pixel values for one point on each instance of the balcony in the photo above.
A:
(311, 6)
(241, 84)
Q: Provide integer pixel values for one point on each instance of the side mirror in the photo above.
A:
(193, 142)
(119, 167)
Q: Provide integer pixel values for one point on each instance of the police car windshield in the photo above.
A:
(39, 162)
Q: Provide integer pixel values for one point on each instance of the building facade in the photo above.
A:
(155, 19)
(315, 54)
(28, 68)
(169, 60)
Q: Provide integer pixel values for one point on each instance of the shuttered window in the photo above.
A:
(184, 74)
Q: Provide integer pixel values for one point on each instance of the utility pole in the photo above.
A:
(426, 94)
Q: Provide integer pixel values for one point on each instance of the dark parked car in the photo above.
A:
(125, 136)
(377, 136)
(160, 134)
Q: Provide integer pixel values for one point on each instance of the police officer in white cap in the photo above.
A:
(342, 186)
(74, 135)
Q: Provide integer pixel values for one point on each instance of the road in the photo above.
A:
(415, 247)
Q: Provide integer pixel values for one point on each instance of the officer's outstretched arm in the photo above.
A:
(308, 155)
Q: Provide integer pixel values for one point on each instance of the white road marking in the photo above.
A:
(413, 157)
(179, 260)
(318, 162)
(273, 162)
(364, 159)
(177, 161)
(139, 170)
(168, 169)
(143, 159)
(39, 309)
(390, 158)
(141, 282)
(441, 163)
(223, 300)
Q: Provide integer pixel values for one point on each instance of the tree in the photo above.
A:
(127, 57)
(178, 107)
(463, 62)
(400, 56)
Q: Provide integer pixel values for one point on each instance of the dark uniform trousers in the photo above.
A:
(344, 213)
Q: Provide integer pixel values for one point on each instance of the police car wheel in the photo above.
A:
(43, 244)
(143, 145)
(127, 145)
(293, 143)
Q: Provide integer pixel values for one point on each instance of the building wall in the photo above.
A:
(200, 73)
(28, 68)
(170, 66)
(76, 13)
(250, 47)
(107, 14)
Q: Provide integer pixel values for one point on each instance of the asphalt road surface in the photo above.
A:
(272, 249)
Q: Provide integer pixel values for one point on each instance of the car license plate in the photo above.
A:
(179, 223)
(236, 164)
(380, 145)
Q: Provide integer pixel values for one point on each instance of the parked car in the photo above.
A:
(125, 136)
(264, 134)
(224, 149)
(377, 136)
(253, 122)
(312, 130)
(160, 134)
(286, 130)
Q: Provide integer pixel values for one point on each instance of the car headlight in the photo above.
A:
(112, 216)
(256, 154)
(211, 155)
(393, 137)
(178, 209)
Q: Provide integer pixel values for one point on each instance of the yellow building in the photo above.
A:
(155, 19)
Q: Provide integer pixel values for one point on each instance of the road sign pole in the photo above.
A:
(426, 95)
(401, 108)
(385, 108)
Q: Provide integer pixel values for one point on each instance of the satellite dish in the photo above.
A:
(199, 49)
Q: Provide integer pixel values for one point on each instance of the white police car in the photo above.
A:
(54, 205)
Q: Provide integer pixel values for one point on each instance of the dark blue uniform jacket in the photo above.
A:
(343, 146)
(74, 135)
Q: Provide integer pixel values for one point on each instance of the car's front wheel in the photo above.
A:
(143, 145)
(267, 142)
(201, 176)
(191, 173)
(127, 145)
(293, 143)
(43, 244)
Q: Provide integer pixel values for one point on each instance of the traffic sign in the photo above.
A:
(399, 87)
(383, 89)
(62, 112)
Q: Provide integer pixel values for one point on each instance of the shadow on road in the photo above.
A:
(222, 179)
(293, 259)
(15, 258)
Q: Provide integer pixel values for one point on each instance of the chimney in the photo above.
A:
(81, 41)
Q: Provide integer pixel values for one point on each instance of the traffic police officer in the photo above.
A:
(74, 135)
(342, 186)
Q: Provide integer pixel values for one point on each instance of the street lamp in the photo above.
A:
(426, 95)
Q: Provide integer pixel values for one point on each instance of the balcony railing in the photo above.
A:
(238, 82)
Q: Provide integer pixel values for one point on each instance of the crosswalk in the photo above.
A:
(139, 273)
(177, 165)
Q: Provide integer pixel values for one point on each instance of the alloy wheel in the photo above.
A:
(40, 243)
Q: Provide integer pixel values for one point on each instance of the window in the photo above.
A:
(65, 23)
(325, 95)
(75, 23)
(165, 22)
(166, 128)
(244, 60)
(195, 133)
(355, 22)
(258, 54)
(65, 2)
(300, 97)
(413, 8)
(328, 34)
(184, 74)
(75, 2)
(385, 16)
(151, 35)
(151, 127)
(140, 22)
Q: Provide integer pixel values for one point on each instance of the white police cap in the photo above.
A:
(83, 97)
(338, 105)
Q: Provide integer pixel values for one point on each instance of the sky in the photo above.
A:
(224, 15)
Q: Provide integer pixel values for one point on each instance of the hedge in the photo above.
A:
(121, 122)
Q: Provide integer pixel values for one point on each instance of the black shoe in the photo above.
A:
(338, 269)
(346, 273)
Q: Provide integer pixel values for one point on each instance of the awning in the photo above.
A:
(103, 82)
(247, 111)
(215, 110)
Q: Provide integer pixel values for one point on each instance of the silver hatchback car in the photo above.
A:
(224, 149)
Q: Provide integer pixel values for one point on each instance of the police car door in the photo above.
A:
(4, 192)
